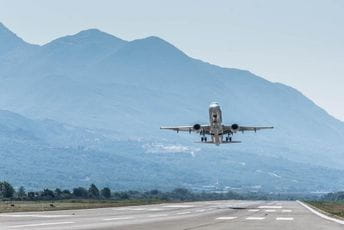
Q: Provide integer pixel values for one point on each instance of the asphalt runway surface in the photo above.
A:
(215, 215)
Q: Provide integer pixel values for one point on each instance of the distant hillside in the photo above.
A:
(37, 153)
(127, 89)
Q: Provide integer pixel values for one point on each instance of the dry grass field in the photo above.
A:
(332, 207)
(32, 206)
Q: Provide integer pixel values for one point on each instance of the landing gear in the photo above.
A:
(229, 138)
(204, 139)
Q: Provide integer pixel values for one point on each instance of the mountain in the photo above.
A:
(14, 51)
(127, 89)
(46, 153)
(9, 41)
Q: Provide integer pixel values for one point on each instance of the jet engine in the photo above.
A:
(235, 127)
(197, 127)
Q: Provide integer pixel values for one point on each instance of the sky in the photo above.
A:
(298, 43)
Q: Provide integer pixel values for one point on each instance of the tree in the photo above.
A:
(47, 194)
(93, 191)
(31, 195)
(154, 192)
(6, 190)
(80, 192)
(66, 194)
(58, 193)
(21, 192)
(66, 191)
(106, 193)
(181, 194)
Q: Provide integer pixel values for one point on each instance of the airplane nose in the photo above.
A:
(214, 105)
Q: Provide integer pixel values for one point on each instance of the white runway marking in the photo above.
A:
(226, 218)
(42, 224)
(31, 215)
(155, 209)
(255, 218)
(270, 207)
(136, 209)
(270, 210)
(119, 218)
(201, 210)
(158, 215)
(183, 213)
(320, 214)
(284, 218)
(253, 210)
(286, 210)
(179, 206)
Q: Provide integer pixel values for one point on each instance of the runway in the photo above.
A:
(215, 215)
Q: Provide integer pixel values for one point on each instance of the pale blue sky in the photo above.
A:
(299, 43)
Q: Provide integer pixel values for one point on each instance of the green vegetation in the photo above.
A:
(332, 203)
(93, 197)
(333, 207)
(6, 190)
(82, 198)
(7, 193)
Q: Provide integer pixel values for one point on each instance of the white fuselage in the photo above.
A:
(215, 120)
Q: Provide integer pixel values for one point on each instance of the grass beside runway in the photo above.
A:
(33, 206)
(333, 207)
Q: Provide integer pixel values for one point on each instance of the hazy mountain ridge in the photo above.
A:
(97, 81)
(45, 153)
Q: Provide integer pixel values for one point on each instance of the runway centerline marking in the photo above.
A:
(183, 213)
(136, 209)
(179, 206)
(119, 218)
(284, 218)
(226, 218)
(253, 210)
(158, 215)
(41, 224)
(155, 209)
(255, 218)
(270, 210)
(270, 207)
(287, 210)
(201, 210)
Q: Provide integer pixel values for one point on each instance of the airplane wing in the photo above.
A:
(255, 129)
(236, 128)
(188, 128)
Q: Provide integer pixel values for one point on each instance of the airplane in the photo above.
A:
(215, 128)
